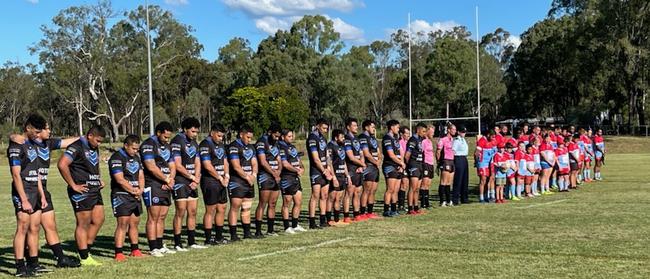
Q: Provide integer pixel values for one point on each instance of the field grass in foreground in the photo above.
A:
(596, 232)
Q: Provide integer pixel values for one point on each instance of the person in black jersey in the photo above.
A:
(79, 167)
(27, 196)
(159, 173)
(319, 173)
(185, 151)
(356, 165)
(243, 171)
(44, 145)
(292, 170)
(127, 185)
(414, 157)
(370, 149)
(214, 179)
(268, 179)
(393, 167)
(341, 180)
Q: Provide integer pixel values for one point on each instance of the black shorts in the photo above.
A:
(33, 197)
(213, 192)
(428, 171)
(318, 179)
(448, 166)
(266, 182)
(415, 171)
(357, 179)
(391, 172)
(48, 198)
(238, 190)
(290, 185)
(574, 166)
(125, 205)
(184, 192)
(371, 173)
(343, 184)
(86, 201)
(156, 196)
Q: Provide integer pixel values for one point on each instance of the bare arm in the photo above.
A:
(64, 169)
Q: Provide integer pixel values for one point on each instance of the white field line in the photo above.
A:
(301, 248)
(541, 204)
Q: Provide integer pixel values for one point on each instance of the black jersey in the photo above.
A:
(316, 143)
(414, 145)
(245, 154)
(352, 143)
(271, 151)
(390, 143)
(24, 156)
(370, 143)
(289, 153)
(153, 149)
(186, 149)
(85, 164)
(337, 153)
(43, 149)
(215, 153)
(128, 166)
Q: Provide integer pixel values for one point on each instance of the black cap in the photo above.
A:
(462, 129)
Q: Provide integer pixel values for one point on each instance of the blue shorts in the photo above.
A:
(545, 165)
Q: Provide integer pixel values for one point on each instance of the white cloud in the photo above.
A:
(177, 2)
(32, 1)
(425, 27)
(273, 15)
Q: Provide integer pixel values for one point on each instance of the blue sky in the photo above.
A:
(217, 21)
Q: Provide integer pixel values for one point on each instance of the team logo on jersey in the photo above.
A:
(31, 155)
(397, 145)
(43, 153)
(341, 154)
(322, 145)
(356, 145)
(190, 150)
(164, 153)
(274, 151)
(293, 152)
(92, 157)
(248, 154)
(373, 143)
(219, 152)
(132, 166)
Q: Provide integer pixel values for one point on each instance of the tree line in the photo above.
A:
(586, 59)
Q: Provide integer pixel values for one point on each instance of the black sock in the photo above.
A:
(270, 223)
(247, 229)
(208, 234)
(362, 210)
(337, 215)
(328, 216)
(370, 208)
(294, 222)
(401, 196)
(312, 222)
(159, 243)
(386, 207)
(57, 250)
(83, 253)
(191, 237)
(421, 198)
(416, 208)
(427, 202)
(135, 246)
(322, 220)
(233, 231)
(258, 226)
(393, 206)
(410, 208)
(118, 250)
(346, 214)
(90, 248)
(286, 224)
(441, 193)
(355, 213)
(219, 232)
(152, 244)
(32, 261)
(448, 193)
(177, 240)
(20, 264)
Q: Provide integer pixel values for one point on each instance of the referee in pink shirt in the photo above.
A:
(445, 155)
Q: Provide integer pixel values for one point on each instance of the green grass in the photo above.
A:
(596, 232)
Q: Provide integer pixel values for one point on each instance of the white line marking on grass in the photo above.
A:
(301, 248)
(542, 204)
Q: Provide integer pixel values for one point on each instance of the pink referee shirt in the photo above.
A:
(427, 146)
(445, 144)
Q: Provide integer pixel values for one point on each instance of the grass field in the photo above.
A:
(597, 232)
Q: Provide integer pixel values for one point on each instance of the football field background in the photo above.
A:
(599, 231)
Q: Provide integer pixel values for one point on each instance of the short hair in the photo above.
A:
(245, 129)
(349, 121)
(420, 125)
(391, 123)
(366, 123)
(274, 128)
(449, 125)
(576, 136)
(218, 127)
(190, 122)
(131, 139)
(529, 146)
(336, 133)
(491, 133)
(402, 130)
(509, 145)
(163, 127)
(97, 131)
(35, 120)
(322, 121)
(285, 132)
(524, 124)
